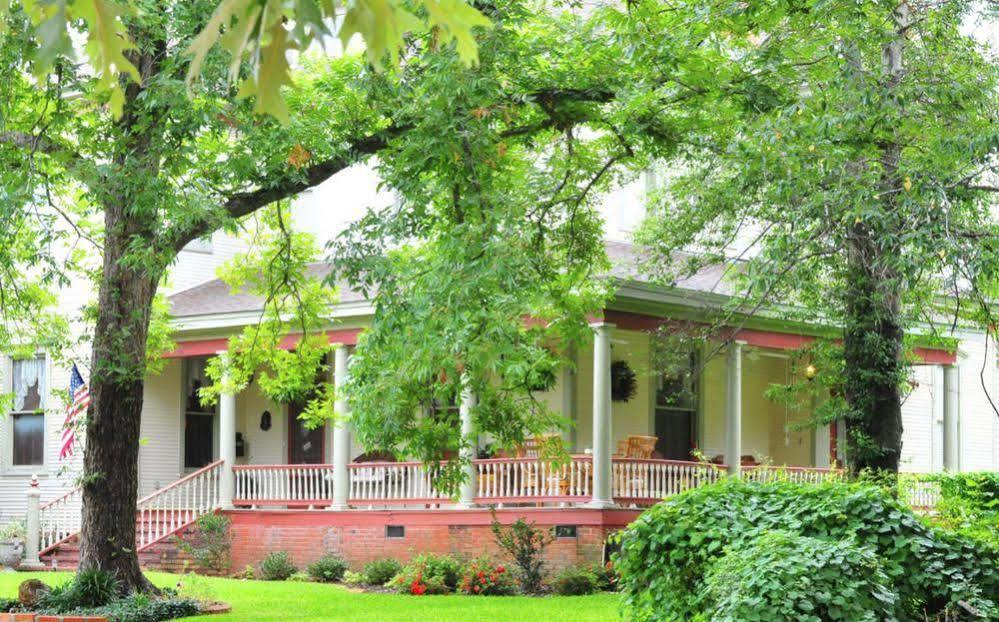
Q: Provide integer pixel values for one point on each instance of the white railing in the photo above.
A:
(797, 475)
(59, 519)
(502, 480)
(527, 479)
(170, 509)
(919, 494)
(638, 481)
(374, 482)
(283, 484)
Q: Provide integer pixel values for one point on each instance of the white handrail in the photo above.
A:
(170, 509)
(394, 482)
(798, 475)
(283, 484)
(638, 480)
(516, 479)
(59, 519)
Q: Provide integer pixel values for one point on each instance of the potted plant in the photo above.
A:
(11, 544)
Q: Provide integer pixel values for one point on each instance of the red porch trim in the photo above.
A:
(759, 338)
(209, 347)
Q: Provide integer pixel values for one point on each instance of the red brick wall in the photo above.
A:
(359, 536)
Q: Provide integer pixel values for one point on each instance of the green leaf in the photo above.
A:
(381, 23)
(456, 19)
(245, 12)
(107, 42)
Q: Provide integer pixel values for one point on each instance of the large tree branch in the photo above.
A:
(30, 142)
(242, 204)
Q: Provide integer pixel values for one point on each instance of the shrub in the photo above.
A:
(142, 608)
(277, 566)
(328, 569)
(428, 574)
(90, 588)
(7, 604)
(14, 530)
(248, 573)
(94, 587)
(526, 545)
(354, 578)
(667, 552)
(969, 504)
(195, 587)
(607, 577)
(211, 546)
(417, 584)
(575, 582)
(784, 577)
(484, 577)
(381, 571)
(300, 577)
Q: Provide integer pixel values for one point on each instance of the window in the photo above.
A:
(199, 419)
(28, 414)
(395, 531)
(445, 411)
(565, 531)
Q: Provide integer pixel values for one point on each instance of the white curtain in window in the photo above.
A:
(29, 385)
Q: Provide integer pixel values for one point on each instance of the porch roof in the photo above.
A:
(215, 297)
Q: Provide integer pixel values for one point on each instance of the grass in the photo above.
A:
(261, 601)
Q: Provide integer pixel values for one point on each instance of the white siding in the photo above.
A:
(977, 419)
(263, 446)
(160, 452)
(918, 421)
(195, 267)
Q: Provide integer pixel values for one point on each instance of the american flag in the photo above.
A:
(80, 395)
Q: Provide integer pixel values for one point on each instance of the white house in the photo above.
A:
(270, 460)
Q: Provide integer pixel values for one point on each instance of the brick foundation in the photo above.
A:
(359, 536)
(34, 617)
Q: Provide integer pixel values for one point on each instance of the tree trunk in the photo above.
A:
(116, 385)
(873, 353)
(873, 344)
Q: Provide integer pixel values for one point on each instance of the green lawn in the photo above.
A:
(260, 601)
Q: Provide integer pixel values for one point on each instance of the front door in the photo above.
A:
(676, 410)
(305, 446)
(675, 429)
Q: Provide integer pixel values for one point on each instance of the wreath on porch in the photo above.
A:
(623, 383)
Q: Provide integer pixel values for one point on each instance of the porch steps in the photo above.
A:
(159, 519)
(164, 555)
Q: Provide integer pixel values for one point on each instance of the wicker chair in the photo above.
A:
(641, 447)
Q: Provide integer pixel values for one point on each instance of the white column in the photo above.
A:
(733, 408)
(341, 432)
(32, 529)
(602, 468)
(822, 437)
(937, 419)
(227, 438)
(469, 444)
(951, 417)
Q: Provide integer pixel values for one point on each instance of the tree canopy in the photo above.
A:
(854, 137)
(848, 150)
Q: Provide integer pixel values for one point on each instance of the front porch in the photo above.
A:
(713, 421)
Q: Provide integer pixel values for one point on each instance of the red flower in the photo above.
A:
(480, 574)
(476, 589)
(416, 588)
